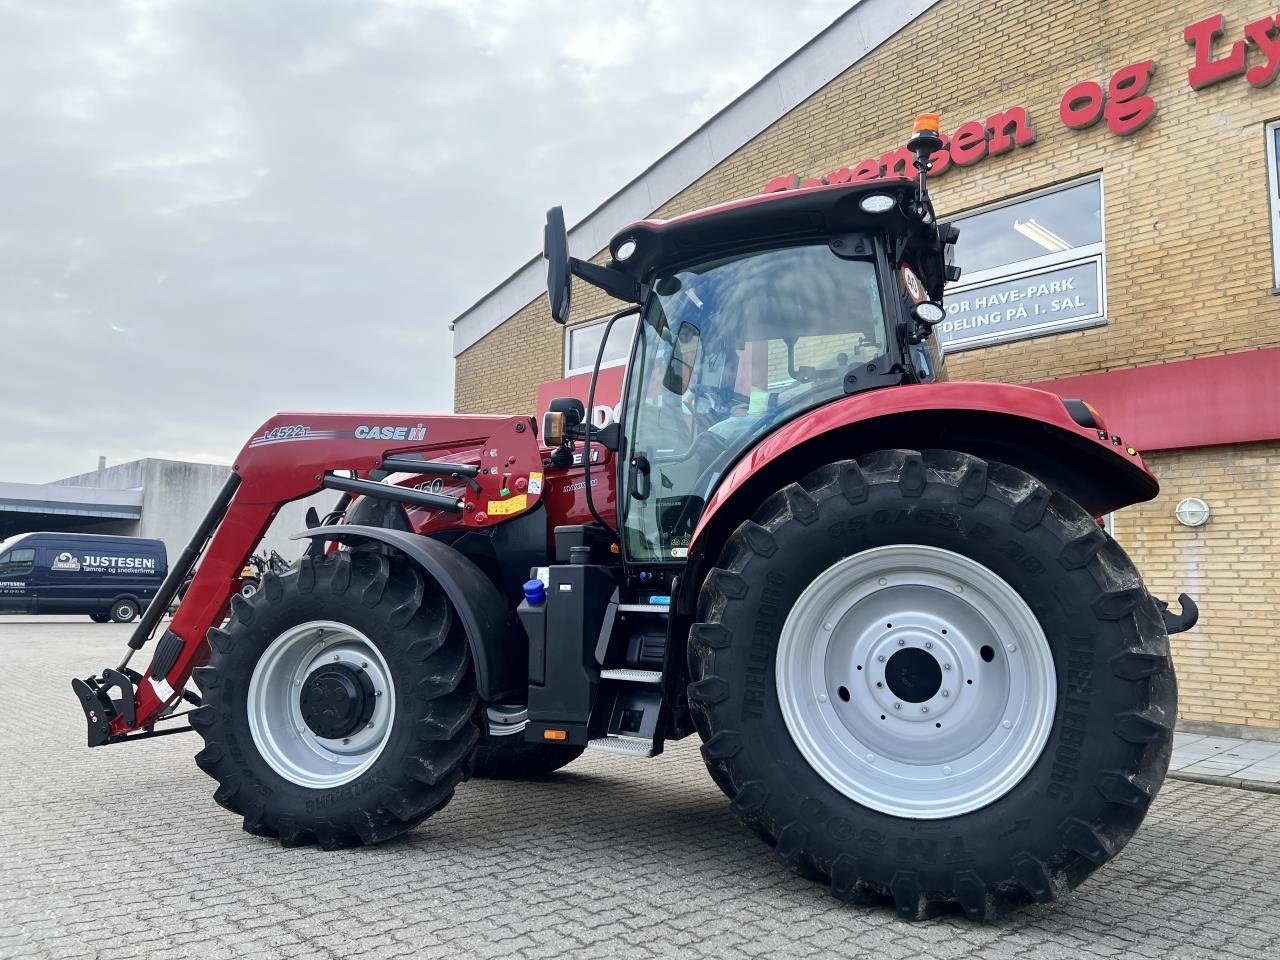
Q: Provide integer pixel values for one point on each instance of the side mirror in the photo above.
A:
(555, 249)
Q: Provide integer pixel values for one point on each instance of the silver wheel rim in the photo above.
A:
(279, 732)
(875, 728)
(124, 611)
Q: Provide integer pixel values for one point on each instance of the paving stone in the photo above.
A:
(121, 852)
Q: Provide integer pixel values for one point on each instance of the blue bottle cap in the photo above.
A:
(535, 592)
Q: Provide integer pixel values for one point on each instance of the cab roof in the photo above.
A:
(789, 216)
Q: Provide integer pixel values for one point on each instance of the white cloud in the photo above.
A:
(215, 209)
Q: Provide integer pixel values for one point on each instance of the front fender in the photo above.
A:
(501, 669)
(1024, 427)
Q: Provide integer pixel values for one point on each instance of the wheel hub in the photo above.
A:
(321, 704)
(336, 700)
(915, 681)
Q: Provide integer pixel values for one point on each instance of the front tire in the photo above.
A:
(100, 617)
(879, 587)
(339, 703)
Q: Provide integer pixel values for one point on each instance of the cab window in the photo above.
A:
(17, 562)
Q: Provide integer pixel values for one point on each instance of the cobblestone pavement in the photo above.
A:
(120, 852)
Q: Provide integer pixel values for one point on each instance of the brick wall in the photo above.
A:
(1188, 265)
(1229, 665)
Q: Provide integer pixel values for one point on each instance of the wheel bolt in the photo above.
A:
(928, 645)
(1012, 647)
(946, 693)
(1007, 724)
(826, 626)
(364, 664)
(346, 739)
(901, 642)
(871, 757)
(369, 725)
(883, 581)
(336, 657)
(880, 658)
(822, 698)
(924, 709)
(897, 706)
(946, 771)
(946, 666)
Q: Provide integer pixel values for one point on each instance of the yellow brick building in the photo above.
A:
(1158, 216)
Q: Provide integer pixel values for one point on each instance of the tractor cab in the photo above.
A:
(752, 313)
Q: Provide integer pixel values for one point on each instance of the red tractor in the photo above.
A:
(920, 669)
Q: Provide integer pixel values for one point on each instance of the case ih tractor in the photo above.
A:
(920, 669)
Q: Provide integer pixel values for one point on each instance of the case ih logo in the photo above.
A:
(391, 432)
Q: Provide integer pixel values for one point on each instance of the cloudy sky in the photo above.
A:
(211, 210)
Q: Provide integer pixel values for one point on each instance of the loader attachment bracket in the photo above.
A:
(100, 706)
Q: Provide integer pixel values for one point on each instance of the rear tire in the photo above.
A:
(387, 752)
(123, 611)
(886, 823)
(504, 754)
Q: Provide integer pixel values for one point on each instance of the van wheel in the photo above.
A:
(248, 588)
(99, 617)
(124, 611)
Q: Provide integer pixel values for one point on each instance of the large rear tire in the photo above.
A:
(339, 703)
(928, 679)
(504, 754)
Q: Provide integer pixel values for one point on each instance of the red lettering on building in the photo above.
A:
(1207, 70)
(1125, 103)
(974, 140)
(1081, 105)
(1265, 35)
(1014, 119)
(968, 143)
(1130, 109)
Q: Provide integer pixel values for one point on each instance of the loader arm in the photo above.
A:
(292, 456)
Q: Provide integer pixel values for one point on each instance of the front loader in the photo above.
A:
(920, 669)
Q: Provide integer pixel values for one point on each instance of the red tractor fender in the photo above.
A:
(1024, 427)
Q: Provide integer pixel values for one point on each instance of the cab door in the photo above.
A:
(17, 575)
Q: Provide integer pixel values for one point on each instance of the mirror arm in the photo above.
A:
(613, 282)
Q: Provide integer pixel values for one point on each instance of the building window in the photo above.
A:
(1273, 192)
(582, 343)
(1032, 265)
(17, 562)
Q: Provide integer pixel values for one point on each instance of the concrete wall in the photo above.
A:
(176, 495)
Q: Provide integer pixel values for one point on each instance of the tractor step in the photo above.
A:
(644, 608)
(631, 675)
(624, 746)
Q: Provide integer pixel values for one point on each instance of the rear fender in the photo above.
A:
(1026, 428)
(498, 647)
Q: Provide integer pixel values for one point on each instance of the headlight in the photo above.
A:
(625, 250)
(930, 313)
(877, 203)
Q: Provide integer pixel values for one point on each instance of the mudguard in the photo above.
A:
(493, 634)
(1024, 427)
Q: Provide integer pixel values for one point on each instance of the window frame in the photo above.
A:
(571, 328)
(1095, 253)
(8, 558)
(1273, 199)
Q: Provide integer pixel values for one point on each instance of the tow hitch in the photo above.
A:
(1179, 622)
(100, 706)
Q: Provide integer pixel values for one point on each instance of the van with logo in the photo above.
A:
(103, 577)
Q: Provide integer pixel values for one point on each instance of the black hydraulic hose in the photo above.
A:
(586, 442)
